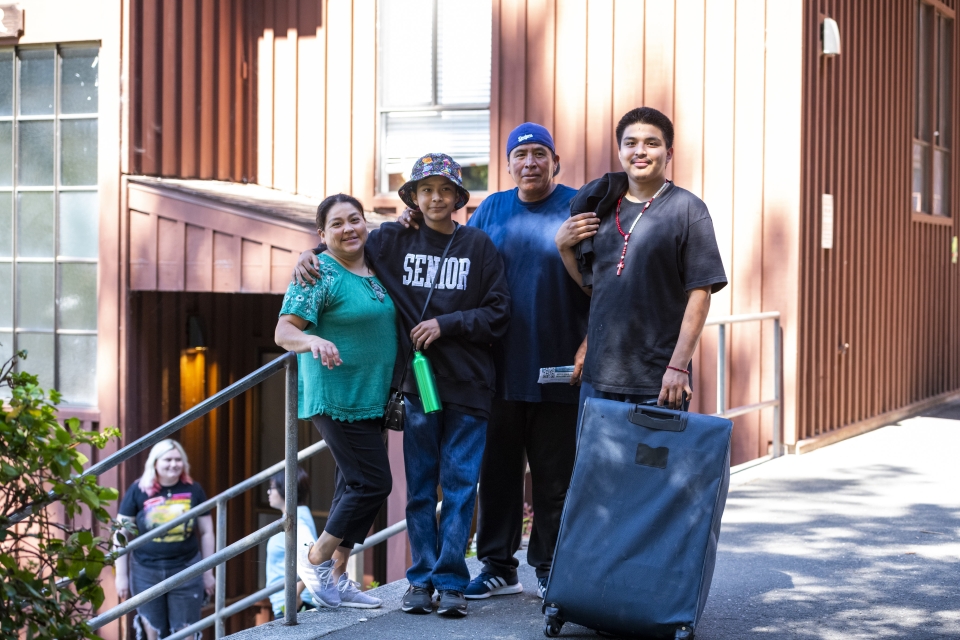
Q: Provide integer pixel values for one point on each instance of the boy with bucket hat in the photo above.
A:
(468, 310)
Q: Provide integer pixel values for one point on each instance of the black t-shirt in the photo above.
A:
(471, 303)
(635, 318)
(149, 512)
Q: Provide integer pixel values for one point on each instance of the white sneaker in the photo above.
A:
(352, 596)
(318, 579)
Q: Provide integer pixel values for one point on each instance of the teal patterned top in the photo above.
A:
(356, 314)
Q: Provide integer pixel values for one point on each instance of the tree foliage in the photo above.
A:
(40, 456)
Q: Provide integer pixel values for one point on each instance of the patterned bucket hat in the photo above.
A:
(433, 164)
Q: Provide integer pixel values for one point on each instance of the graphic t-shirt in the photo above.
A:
(548, 310)
(635, 317)
(149, 512)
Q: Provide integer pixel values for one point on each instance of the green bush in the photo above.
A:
(38, 456)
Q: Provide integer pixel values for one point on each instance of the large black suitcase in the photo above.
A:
(638, 536)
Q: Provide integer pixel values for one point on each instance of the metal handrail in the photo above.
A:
(288, 363)
(776, 402)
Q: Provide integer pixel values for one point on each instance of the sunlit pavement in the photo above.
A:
(857, 540)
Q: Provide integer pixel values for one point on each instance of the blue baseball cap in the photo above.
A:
(529, 133)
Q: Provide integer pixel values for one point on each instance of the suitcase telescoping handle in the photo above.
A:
(658, 418)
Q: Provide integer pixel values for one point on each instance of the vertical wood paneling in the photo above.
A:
(658, 42)
(265, 96)
(199, 260)
(541, 61)
(170, 239)
(285, 96)
(311, 100)
(887, 288)
(689, 107)
(571, 90)
(189, 89)
(496, 169)
(628, 69)
(512, 73)
(143, 250)
(364, 115)
(339, 89)
(599, 124)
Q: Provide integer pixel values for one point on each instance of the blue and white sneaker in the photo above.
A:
(541, 587)
(318, 578)
(487, 584)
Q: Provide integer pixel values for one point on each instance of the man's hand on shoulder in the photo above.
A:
(410, 218)
(307, 269)
(577, 228)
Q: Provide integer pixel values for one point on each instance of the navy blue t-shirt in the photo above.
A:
(549, 311)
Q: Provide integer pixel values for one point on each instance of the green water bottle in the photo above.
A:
(426, 384)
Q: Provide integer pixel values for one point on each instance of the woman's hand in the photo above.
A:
(425, 333)
(410, 218)
(122, 584)
(209, 583)
(576, 228)
(307, 269)
(325, 350)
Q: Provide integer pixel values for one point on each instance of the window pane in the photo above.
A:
(465, 135)
(406, 56)
(36, 82)
(6, 295)
(946, 73)
(924, 63)
(6, 154)
(35, 225)
(78, 80)
(941, 183)
(6, 83)
(39, 360)
(919, 199)
(79, 224)
(463, 52)
(6, 225)
(78, 296)
(78, 160)
(35, 296)
(36, 153)
(78, 369)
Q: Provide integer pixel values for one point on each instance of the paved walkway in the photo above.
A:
(857, 540)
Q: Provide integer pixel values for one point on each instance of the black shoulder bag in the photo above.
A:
(395, 412)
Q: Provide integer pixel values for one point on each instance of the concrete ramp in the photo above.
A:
(860, 539)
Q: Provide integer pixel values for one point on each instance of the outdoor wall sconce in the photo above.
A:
(829, 38)
(195, 334)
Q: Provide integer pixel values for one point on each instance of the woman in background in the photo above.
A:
(164, 492)
(306, 533)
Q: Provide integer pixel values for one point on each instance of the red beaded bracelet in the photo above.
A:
(684, 371)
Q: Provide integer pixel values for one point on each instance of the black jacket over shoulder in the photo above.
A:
(599, 196)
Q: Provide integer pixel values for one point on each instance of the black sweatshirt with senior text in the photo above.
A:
(471, 303)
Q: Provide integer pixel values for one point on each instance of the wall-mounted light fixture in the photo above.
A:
(829, 38)
(195, 334)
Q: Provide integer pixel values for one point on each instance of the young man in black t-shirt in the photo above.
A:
(646, 252)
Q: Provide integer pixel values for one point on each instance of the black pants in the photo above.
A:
(543, 433)
(363, 476)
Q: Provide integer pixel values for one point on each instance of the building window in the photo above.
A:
(434, 86)
(49, 215)
(933, 135)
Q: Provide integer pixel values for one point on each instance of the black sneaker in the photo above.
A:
(452, 604)
(417, 600)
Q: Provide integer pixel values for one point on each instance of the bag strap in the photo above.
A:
(433, 283)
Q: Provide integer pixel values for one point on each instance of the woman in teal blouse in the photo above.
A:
(344, 329)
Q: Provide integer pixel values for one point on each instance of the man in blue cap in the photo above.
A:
(529, 422)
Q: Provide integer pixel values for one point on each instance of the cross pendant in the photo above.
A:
(620, 267)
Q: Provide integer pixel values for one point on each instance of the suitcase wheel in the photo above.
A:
(551, 621)
(683, 633)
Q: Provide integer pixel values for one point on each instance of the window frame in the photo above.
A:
(382, 196)
(930, 147)
(15, 188)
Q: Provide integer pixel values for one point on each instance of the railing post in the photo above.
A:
(290, 493)
(220, 596)
(777, 388)
(721, 368)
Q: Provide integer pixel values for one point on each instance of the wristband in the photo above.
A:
(684, 371)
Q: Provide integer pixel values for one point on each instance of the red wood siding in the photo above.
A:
(887, 288)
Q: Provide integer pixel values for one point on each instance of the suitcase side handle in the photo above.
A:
(658, 418)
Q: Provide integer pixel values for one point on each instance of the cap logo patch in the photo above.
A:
(524, 137)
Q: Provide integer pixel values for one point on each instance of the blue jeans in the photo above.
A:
(176, 609)
(442, 448)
